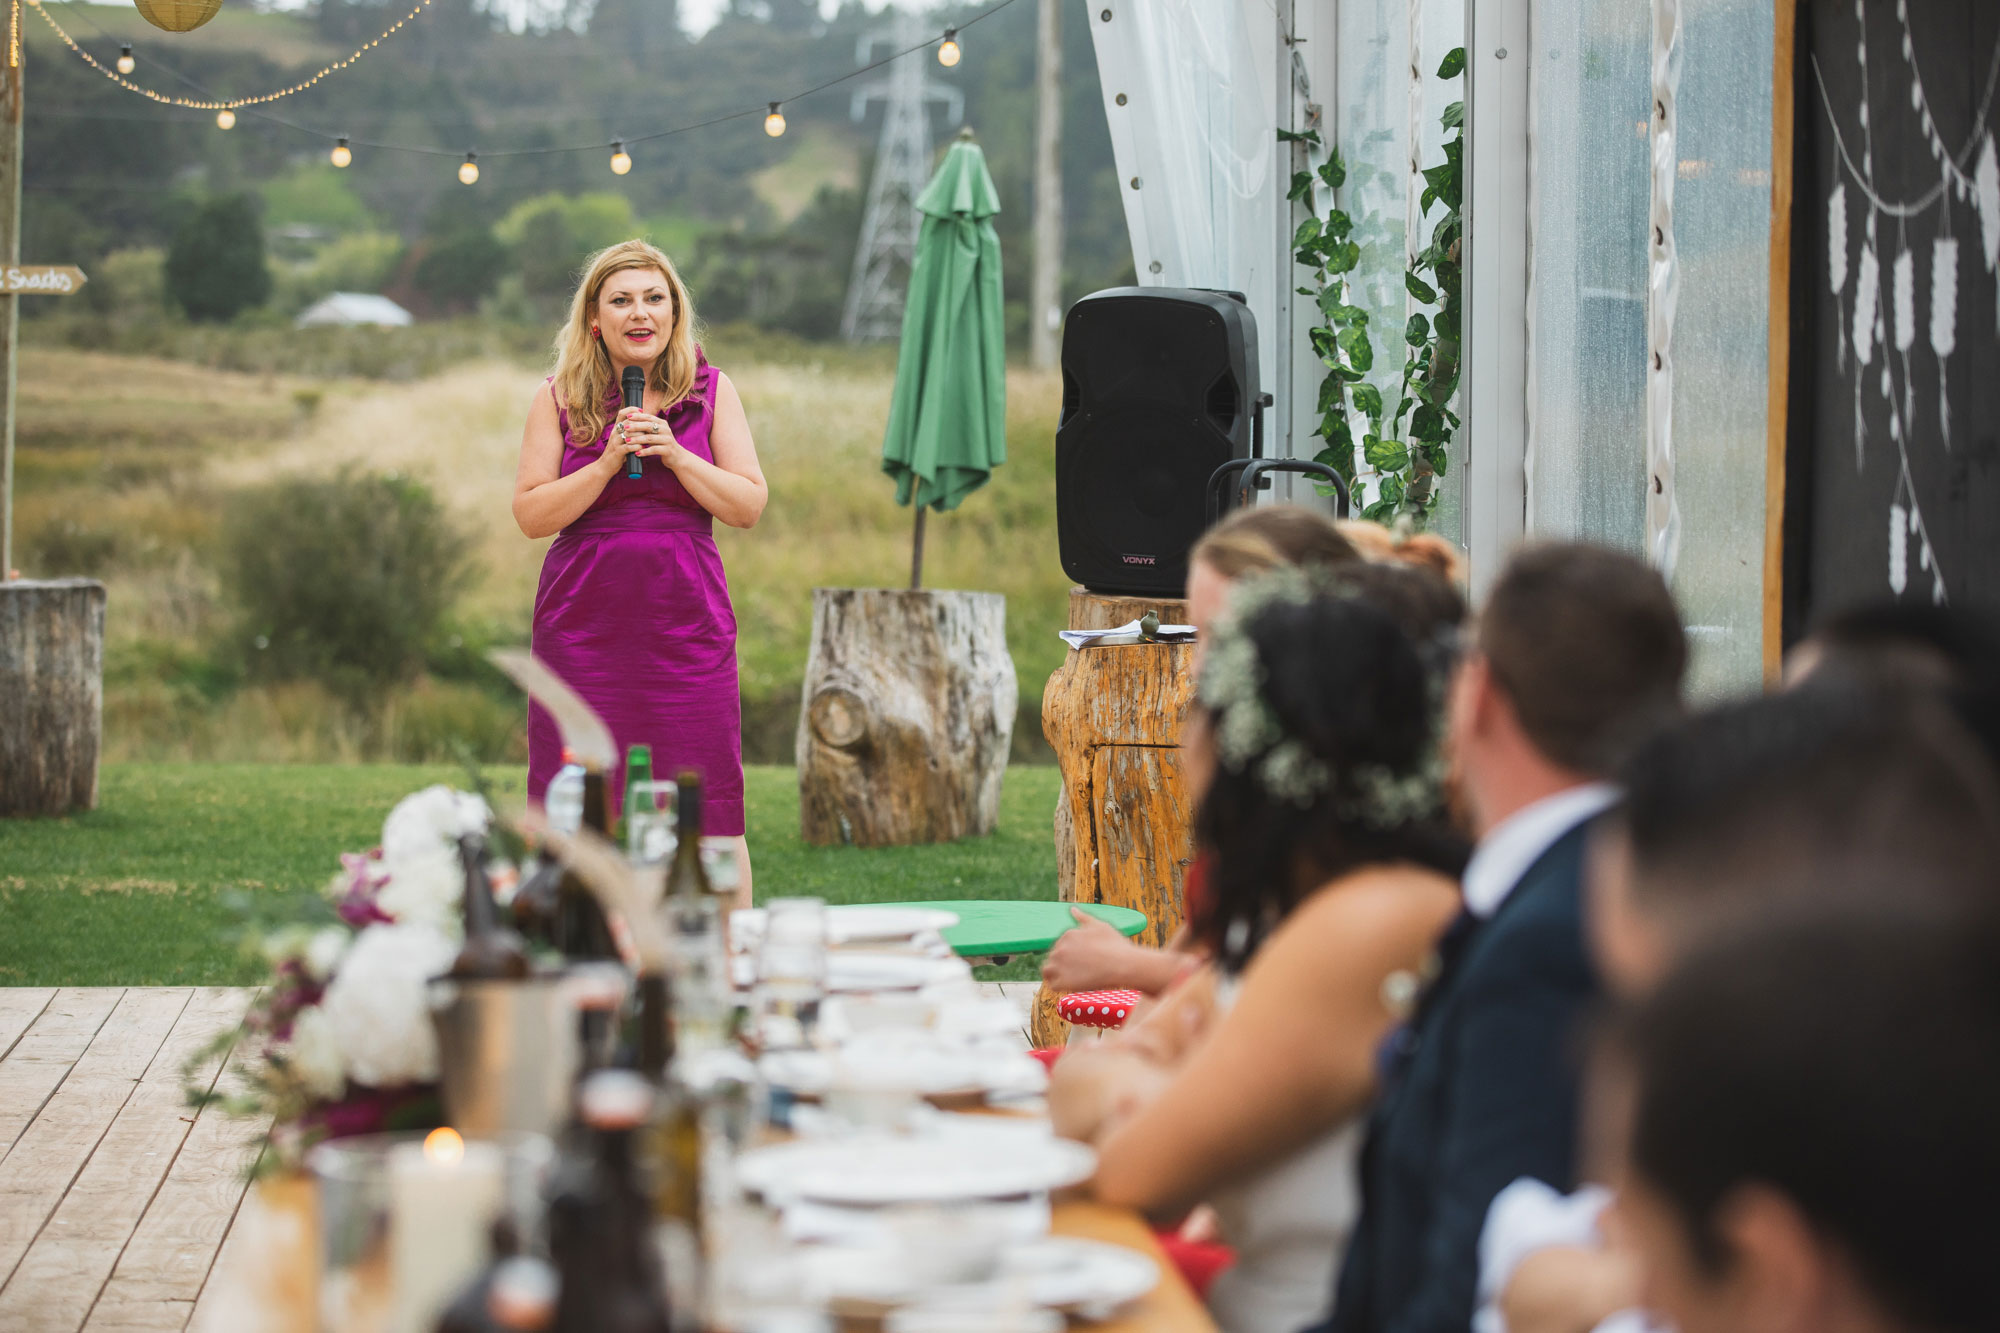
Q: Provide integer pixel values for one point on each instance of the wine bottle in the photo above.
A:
(581, 930)
(638, 772)
(491, 951)
(687, 879)
(673, 1151)
(511, 1292)
(598, 1226)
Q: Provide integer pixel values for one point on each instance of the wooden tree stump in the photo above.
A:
(907, 716)
(52, 685)
(1123, 825)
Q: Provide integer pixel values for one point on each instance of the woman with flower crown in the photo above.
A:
(1312, 760)
(633, 607)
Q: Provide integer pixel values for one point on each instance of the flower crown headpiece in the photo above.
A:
(1249, 738)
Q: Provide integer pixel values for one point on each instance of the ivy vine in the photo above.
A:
(1411, 449)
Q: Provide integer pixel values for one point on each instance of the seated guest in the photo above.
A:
(1950, 651)
(1312, 759)
(1094, 955)
(1579, 653)
(1811, 1142)
(1764, 802)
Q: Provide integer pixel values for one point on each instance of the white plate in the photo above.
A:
(856, 924)
(853, 972)
(889, 1168)
(933, 1072)
(1055, 1272)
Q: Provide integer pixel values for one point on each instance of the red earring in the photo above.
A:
(593, 331)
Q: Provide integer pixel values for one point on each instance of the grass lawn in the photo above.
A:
(142, 891)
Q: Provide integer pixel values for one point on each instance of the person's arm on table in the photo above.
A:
(545, 501)
(1292, 1057)
(1093, 955)
(732, 487)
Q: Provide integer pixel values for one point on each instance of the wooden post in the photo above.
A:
(907, 716)
(1124, 826)
(52, 682)
(10, 255)
(917, 550)
(1045, 281)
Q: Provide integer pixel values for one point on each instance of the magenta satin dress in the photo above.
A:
(633, 611)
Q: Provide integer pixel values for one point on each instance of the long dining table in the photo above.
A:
(123, 1210)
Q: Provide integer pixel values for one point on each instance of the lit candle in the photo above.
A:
(443, 1197)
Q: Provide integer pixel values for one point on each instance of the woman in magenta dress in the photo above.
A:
(633, 608)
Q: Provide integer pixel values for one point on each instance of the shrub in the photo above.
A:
(344, 579)
(215, 267)
(131, 282)
(457, 269)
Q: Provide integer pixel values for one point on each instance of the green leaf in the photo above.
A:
(1453, 117)
(1439, 177)
(1386, 455)
(1307, 233)
(1299, 136)
(1334, 172)
(1302, 183)
(1453, 64)
(1368, 400)
(1392, 490)
(1341, 460)
(1329, 393)
(1342, 258)
(1420, 289)
(1417, 331)
(1324, 346)
(1338, 224)
(1439, 458)
(1427, 423)
(1354, 341)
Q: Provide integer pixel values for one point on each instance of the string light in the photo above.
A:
(341, 155)
(125, 65)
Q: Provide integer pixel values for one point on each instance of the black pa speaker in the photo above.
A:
(1159, 390)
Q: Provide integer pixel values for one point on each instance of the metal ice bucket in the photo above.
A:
(506, 1054)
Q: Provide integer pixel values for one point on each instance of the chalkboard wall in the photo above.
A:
(1892, 462)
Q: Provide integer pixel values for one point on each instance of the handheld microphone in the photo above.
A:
(633, 381)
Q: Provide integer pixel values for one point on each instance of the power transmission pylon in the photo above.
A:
(881, 278)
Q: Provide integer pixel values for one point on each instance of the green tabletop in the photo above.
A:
(990, 928)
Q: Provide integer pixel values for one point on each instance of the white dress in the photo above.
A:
(1289, 1225)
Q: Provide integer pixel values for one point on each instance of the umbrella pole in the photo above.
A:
(917, 552)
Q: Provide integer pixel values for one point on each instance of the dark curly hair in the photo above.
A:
(1345, 678)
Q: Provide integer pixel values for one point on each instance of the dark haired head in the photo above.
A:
(1343, 683)
(1586, 644)
(1842, 1063)
(1900, 647)
(1788, 794)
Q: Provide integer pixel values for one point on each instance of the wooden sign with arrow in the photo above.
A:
(41, 279)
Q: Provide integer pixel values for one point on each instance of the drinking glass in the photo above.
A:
(649, 822)
(791, 972)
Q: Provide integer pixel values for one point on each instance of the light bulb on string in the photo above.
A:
(341, 154)
(468, 170)
(774, 124)
(126, 64)
(949, 53)
(621, 161)
(225, 119)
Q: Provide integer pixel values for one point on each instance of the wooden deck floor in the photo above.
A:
(114, 1196)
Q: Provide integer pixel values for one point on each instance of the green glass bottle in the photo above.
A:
(638, 769)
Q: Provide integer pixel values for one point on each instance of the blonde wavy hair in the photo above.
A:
(584, 386)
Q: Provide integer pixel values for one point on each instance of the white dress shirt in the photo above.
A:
(1513, 845)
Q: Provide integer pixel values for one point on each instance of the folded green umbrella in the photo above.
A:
(948, 420)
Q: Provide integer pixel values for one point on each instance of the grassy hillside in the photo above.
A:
(133, 490)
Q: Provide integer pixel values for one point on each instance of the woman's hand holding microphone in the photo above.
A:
(637, 432)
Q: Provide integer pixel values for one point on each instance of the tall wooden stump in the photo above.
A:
(51, 694)
(1124, 829)
(907, 716)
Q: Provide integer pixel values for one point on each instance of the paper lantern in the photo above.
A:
(177, 15)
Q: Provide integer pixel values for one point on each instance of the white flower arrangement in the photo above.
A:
(341, 1041)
